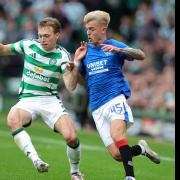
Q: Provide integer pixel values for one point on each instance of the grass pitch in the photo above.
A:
(96, 164)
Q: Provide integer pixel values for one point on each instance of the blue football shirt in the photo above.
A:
(103, 71)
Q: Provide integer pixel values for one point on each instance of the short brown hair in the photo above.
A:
(51, 22)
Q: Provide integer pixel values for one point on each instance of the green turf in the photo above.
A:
(96, 164)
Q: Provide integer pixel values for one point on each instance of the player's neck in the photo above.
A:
(100, 42)
(49, 50)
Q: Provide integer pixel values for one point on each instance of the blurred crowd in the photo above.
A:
(145, 24)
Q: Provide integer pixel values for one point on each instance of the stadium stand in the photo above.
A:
(147, 24)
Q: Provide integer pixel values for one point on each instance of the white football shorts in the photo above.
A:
(50, 108)
(115, 109)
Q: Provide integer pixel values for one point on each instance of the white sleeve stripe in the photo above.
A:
(17, 47)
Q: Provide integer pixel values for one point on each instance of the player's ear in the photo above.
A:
(57, 35)
(104, 28)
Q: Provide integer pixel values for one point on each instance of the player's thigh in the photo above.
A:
(18, 117)
(65, 126)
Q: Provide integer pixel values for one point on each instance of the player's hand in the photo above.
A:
(110, 48)
(5, 50)
(70, 65)
(1, 47)
(80, 52)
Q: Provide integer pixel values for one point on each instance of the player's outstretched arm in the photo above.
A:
(5, 50)
(135, 53)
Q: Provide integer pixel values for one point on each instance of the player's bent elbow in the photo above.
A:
(142, 55)
(71, 88)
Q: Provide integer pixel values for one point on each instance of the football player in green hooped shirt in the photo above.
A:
(44, 64)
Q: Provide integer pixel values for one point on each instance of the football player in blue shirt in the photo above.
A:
(100, 63)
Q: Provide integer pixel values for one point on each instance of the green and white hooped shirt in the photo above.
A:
(42, 70)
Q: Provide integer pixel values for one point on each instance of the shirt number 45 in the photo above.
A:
(117, 108)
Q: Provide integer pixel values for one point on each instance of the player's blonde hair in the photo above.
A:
(101, 17)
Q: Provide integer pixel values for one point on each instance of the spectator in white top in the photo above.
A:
(75, 11)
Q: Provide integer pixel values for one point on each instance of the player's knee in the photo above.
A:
(12, 122)
(71, 138)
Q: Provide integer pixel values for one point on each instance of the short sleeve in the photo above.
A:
(63, 68)
(18, 47)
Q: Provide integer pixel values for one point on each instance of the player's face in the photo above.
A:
(96, 33)
(48, 38)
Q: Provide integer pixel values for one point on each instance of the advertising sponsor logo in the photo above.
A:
(38, 70)
(97, 67)
(40, 77)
